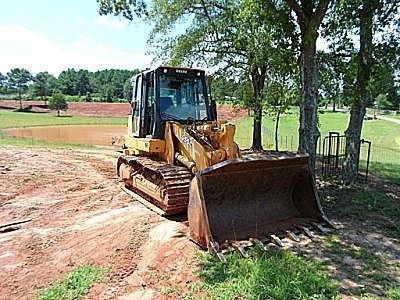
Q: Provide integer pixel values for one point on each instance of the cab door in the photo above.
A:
(137, 104)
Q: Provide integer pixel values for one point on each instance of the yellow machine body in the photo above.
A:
(194, 166)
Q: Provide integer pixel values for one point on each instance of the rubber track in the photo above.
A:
(174, 182)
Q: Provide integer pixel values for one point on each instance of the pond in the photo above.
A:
(97, 135)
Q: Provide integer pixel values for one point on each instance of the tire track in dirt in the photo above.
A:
(79, 215)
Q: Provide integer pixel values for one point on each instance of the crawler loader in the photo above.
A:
(180, 158)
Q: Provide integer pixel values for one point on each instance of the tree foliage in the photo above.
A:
(18, 79)
(58, 102)
(244, 41)
(127, 8)
(3, 81)
(364, 37)
(43, 85)
(108, 84)
(105, 85)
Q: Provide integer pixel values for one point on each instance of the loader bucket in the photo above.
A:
(252, 198)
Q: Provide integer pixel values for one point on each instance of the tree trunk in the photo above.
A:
(353, 135)
(257, 124)
(308, 130)
(360, 102)
(58, 113)
(257, 80)
(278, 115)
(334, 105)
(309, 17)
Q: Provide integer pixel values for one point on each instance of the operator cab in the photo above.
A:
(169, 94)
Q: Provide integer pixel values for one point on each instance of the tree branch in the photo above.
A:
(320, 11)
(298, 11)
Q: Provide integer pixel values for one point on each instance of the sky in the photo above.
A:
(54, 35)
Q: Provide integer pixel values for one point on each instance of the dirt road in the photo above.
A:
(80, 215)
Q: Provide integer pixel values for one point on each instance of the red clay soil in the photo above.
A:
(80, 215)
(225, 112)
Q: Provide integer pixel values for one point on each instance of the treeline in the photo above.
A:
(335, 90)
(111, 85)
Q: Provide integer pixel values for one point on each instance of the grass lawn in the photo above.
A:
(384, 135)
(10, 119)
(273, 274)
(392, 116)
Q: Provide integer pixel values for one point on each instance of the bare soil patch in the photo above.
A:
(80, 215)
(97, 109)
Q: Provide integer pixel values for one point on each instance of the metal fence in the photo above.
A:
(378, 158)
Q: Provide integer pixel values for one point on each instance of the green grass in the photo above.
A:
(274, 274)
(75, 285)
(393, 293)
(366, 202)
(392, 116)
(385, 138)
(6, 140)
(382, 133)
(10, 119)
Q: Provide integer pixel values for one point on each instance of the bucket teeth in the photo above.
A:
(291, 235)
(237, 246)
(307, 232)
(276, 240)
(259, 243)
(320, 228)
(215, 248)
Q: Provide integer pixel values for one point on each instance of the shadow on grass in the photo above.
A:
(29, 110)
(363, 256)
(64, 116)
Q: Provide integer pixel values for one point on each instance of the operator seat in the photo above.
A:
(165, 102)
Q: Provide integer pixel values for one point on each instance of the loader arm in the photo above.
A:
(200, 146)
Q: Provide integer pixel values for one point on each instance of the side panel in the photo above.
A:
(145, 144)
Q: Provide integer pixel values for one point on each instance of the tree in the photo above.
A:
(128, 8)
(19, 78)
(239, 39)
(82, 84)
(111, 84)
(3, 82)
(332, 78)
(384, 88)
(309, 18)
(128, 90)
(58, 102)
(43, 85)
(68, 82)
(375, 25)
(280, 96)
